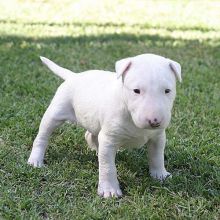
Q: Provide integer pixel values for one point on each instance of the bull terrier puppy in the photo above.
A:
(125, 109)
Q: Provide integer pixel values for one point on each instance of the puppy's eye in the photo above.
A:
(137, 91)
(167, 91)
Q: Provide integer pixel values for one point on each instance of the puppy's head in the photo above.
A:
(149, 88)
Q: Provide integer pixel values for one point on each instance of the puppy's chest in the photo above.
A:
(131, 137)
(134, 142)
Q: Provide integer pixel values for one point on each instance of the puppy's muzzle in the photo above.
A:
(154, 123)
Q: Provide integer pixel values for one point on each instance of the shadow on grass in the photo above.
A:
(110, 24)
(113, 38)
(102, 50)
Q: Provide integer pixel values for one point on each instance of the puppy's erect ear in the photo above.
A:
(122, 67)
(176, 68)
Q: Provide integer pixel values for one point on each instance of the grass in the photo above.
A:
(86, 35)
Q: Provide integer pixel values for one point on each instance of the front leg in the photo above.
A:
(156, 157)
(108, 182)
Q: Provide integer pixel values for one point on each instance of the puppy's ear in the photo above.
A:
(176, 69)
(122, 67)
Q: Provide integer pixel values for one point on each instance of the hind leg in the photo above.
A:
(57, 113)
(47, 126)
(92, 141)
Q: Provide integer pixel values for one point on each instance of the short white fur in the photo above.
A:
(114, 115)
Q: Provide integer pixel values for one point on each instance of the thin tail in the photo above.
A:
(58, 70)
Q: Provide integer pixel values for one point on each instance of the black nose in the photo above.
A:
(154, 123)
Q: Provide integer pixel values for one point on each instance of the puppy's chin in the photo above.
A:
(141, 125)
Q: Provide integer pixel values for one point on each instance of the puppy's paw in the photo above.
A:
(35, 161)
(160, 175)
(108, 189)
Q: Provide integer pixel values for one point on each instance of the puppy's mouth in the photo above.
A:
(155, 125)
(152, 127)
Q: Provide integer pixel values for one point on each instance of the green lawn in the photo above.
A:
(83, 35)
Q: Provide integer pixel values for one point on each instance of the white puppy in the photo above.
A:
(124, 109)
